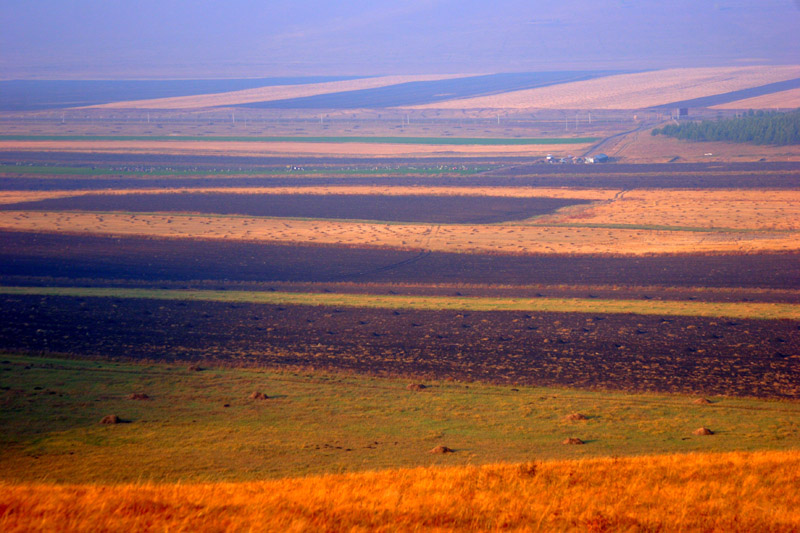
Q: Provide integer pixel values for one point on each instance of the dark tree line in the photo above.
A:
(757, 127)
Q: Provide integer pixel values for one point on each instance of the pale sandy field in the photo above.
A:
(630, 91)
(290, 148)
(269, 93)
(511, 239)
(782, 100)
(641, 147)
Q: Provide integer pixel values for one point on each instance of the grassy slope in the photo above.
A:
(325, 423)
(770, 311)
(704, 492)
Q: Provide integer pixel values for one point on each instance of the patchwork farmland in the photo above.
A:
(372, 293)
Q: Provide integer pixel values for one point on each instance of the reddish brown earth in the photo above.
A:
(623, 352)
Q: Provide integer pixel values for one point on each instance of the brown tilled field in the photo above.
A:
(690, 355)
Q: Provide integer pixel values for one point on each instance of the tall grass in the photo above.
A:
(703, 492)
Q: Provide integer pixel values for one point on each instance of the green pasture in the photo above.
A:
(743, 310)
(202, 425)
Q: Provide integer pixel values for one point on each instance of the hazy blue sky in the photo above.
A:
(190, 38)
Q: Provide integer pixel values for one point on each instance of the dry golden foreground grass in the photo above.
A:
(11, 197)
(782, 100)
(274, 92)
(254, 148)
(510, 239)
(630, 91)
(699, 492)
(741, 209)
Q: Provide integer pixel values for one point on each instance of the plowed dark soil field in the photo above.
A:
(434, 209)
(76, 257)
(622, 352)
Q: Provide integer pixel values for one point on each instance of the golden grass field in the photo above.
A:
(782, 100)
(268, 93)
(638, 222)
(289, 148)
(699, 492)
(517, 239)
(630, 91)
(757, 209)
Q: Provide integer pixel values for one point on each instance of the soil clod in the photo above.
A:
(572, 440)
(441, 450)
(702, 431)
(138, 396)
(258, 396)
(111, 419)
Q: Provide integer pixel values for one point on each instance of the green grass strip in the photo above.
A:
(374, 140)
(765, 311)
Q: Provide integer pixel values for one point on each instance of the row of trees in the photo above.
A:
(757, 127)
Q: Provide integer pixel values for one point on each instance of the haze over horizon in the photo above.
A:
(52, 39)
